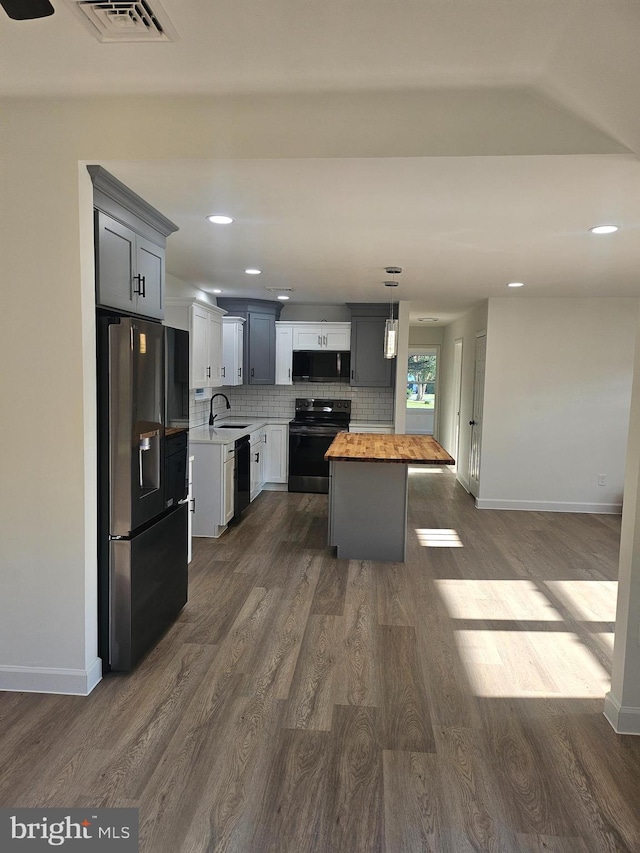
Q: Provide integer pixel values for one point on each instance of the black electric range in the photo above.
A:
(317, 421)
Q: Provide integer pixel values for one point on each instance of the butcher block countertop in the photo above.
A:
(368, 447)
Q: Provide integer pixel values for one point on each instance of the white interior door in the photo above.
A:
(476, 418)
(457, 399)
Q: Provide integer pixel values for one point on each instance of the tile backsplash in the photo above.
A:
(278, 401)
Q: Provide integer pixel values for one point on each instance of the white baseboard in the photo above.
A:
(623, 720)
(71, 682)
(549, 506)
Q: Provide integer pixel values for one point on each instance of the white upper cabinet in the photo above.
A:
(204, 324)
(232, 350)
(284, 353)
(317, 336)
(292, 336)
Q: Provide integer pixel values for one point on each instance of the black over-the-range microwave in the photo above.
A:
(321, 366)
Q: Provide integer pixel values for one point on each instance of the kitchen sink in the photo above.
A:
(232, 426)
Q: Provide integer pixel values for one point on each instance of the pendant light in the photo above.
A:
(391, 325)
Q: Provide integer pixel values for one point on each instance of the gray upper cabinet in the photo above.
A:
(369, 367)
(259, 337)
(130, 240)
(149, 278)
(262, 348)
(115, 255)
(129, 269)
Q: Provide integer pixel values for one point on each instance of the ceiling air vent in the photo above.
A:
(125, 21)
(279, 289)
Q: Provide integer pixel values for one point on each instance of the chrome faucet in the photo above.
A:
(212, 417)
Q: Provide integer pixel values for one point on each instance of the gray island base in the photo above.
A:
(368, 510)
(368, 491)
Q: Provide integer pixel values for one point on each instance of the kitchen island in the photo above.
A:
(368, 491)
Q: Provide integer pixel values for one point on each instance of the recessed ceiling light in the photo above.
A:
(603, 229)
(516, 284)
(427, 319)
(219, 219)
(216, 290)
(284, 298)
(253, 272)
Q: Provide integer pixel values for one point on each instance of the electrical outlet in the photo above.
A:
(602, 479)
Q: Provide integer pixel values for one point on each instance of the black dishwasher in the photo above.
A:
(242, 476)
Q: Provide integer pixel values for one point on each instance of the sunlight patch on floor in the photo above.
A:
(530, 664)
(438, 537)
(589, 601)
(496, 599)
(502, 662)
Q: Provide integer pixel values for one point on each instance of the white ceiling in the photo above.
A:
(536, 99)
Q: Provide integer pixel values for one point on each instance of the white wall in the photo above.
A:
(47, 345)
(181, 289)
(425, 336)
(622, 703)
(556, 403)
(465, 327)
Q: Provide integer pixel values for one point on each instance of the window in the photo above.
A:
(422, 370)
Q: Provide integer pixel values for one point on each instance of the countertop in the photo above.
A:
(365, 447)
(175, 430)
(216, 434)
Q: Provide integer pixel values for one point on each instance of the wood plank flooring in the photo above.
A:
(304, 704)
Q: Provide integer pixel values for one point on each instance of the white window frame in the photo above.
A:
(434, 349)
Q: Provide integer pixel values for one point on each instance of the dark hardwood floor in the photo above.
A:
(452, 703)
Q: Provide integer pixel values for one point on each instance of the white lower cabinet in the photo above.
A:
(213, 488)
(229, 481)
(276, 453)
(257, 462)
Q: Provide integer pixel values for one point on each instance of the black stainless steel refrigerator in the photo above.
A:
(142, 552)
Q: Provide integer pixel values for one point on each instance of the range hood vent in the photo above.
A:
(125, 21)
